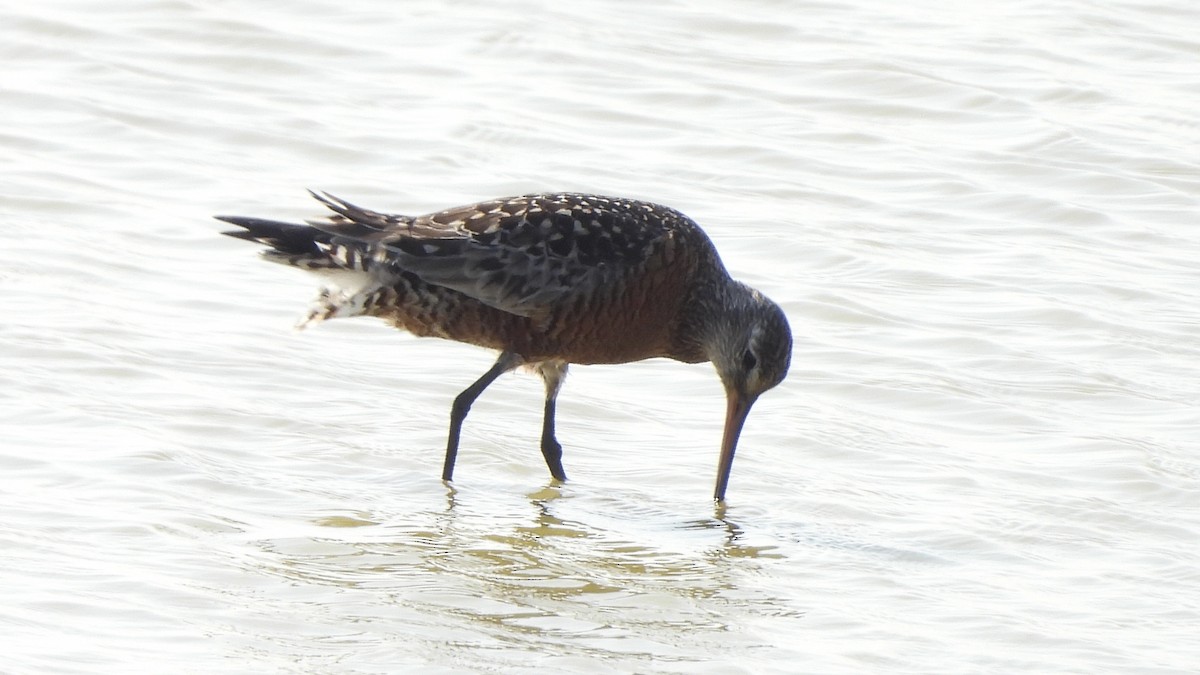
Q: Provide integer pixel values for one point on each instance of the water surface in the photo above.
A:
(981, 220)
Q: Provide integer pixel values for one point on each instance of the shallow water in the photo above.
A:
(981, 220)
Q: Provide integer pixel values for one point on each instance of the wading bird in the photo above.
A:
(547, 280)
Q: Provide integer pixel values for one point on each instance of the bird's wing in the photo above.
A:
(523, 255)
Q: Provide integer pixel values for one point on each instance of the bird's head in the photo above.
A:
(751, 348)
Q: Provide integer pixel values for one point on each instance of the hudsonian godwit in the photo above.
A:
(547, 280)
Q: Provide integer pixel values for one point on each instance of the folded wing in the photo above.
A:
(524, 255)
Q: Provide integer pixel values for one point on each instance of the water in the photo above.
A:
(981, 219)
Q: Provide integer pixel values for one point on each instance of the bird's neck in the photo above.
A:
(708, 313)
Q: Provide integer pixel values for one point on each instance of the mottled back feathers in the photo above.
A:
(523, 255)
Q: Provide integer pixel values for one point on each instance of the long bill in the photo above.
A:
(736, 410)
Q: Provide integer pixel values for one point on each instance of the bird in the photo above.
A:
(547, 280)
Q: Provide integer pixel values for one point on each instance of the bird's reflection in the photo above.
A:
(547, 524)
(733, 545)
(451, 495)
(501, 561)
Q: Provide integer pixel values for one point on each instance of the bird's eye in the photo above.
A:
(749, 360)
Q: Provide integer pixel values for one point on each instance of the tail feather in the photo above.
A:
(343, 263)
(301, 246)
(283, 237)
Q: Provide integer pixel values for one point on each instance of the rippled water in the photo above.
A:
(981, 219)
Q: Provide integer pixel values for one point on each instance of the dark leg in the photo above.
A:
(462, 405)
(553, 373)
